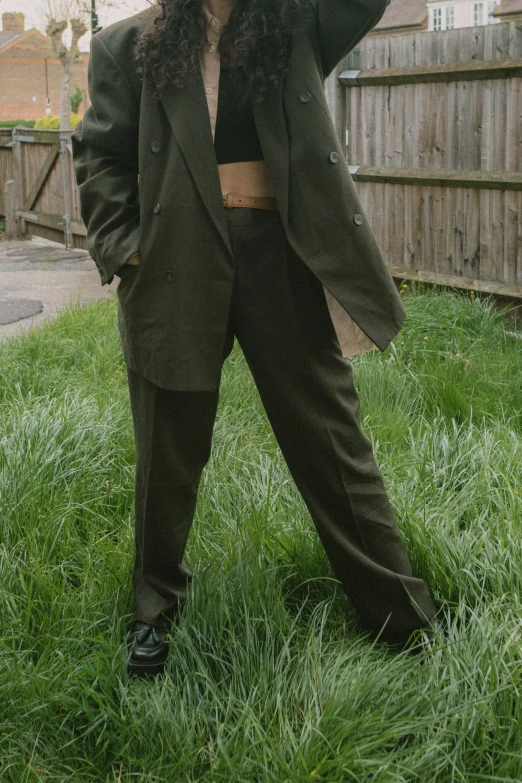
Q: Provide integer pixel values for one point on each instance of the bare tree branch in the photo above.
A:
(55, 31)
(79, 28)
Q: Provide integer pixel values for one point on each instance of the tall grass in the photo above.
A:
(270, 677)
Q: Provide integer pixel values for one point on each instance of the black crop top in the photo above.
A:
(235, 134)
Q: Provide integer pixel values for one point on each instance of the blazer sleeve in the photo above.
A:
(340, 25)
(105, 161)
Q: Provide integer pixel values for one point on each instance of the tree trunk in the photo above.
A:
(65, 100)
(67, 57)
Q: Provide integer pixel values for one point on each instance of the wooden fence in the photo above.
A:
(432, 124)
(43, 190)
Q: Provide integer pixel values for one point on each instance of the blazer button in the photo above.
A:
(304, 96)
(169, 276)
(334, 157)
(358, 219)
(156, 209)
(155, 146)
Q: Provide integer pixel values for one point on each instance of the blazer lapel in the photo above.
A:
(188, 115)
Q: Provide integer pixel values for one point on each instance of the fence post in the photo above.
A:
(66, 184)
(18, 171)
(12, 225)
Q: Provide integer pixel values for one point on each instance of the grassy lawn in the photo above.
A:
(269, 678)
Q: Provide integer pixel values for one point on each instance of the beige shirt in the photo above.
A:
(209, 59)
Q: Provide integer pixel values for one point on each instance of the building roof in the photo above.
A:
(30, 43)
(6, 38)
(508, 7)
(405, 13)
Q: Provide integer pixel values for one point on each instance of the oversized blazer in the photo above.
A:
(149, 183)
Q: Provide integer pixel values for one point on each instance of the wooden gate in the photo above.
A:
(46, 195)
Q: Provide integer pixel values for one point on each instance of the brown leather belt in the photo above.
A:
(259, 202)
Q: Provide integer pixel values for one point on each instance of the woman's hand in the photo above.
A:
(134, 260)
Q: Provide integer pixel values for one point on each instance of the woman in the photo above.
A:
(244, 223)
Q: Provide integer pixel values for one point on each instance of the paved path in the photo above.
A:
(38, 277)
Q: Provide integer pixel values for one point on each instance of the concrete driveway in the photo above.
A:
(38, 277)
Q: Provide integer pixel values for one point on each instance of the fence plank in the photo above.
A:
(11, 224)
(442, 72)
(489, 180)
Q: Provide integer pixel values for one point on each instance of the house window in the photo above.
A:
(478, 14)
(442, 18)
(437, 18)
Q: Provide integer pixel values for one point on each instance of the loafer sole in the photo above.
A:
(138, 669)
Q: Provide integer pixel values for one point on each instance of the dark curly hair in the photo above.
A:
(257, 38)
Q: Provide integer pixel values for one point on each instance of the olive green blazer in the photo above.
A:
(149, 183)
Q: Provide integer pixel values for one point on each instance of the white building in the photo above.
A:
(460, 13)
(410, 16)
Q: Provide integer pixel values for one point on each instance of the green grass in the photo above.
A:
(270, 677)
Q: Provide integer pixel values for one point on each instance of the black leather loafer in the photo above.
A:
(149, 650)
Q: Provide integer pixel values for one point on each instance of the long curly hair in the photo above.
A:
(257, 39)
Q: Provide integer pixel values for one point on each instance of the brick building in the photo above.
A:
(29, 71)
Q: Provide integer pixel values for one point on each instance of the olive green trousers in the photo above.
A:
(281, 320)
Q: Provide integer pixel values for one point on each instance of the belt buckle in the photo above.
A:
(227, 199)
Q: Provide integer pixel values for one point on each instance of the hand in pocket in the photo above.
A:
(134, 260)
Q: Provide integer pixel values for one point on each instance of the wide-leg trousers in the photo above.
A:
(281, 320)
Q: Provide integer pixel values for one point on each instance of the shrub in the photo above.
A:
(76, 99)
(53, 122)
(13, 123)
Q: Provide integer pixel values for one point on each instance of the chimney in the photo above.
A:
(13, 22)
